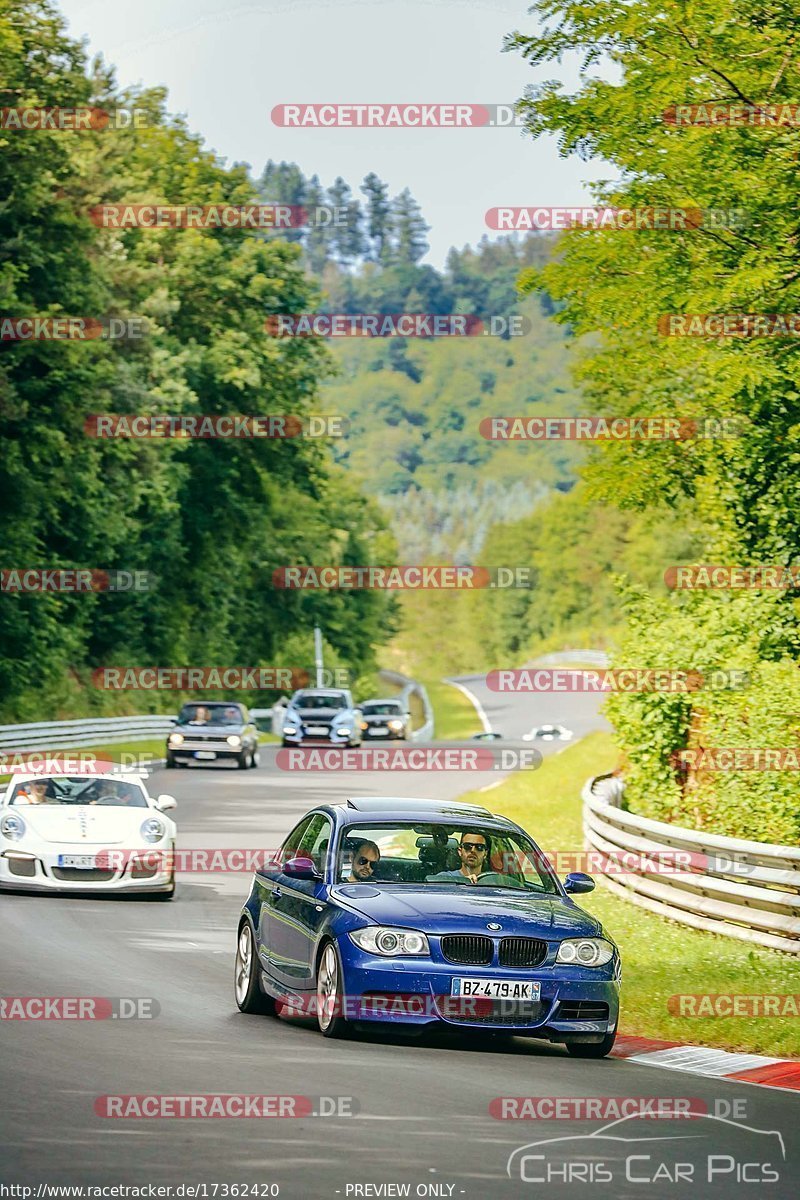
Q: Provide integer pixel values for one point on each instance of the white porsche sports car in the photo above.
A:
(86, 832)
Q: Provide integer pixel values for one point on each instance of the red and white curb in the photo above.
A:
(700, 1060)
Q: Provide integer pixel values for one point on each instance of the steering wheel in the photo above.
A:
(505, 880)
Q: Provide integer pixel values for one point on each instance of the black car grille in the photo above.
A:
(78, 875)
(467, 948)
(582, 1010)
(522, 952)
(478, 1011)
(25, 868)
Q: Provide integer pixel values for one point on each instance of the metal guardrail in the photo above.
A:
(408, 688)
(742, 889)
(93, 731)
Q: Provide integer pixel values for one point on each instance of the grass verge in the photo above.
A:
(454, 714)
(660, 958)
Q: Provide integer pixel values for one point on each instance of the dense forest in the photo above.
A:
(210, 520)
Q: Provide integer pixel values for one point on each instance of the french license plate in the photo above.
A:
(317, 730)
(85, 861)
(497, 989)
(379, 729)
(205, 754)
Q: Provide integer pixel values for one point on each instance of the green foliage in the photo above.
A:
(210, 519)
(741, 492)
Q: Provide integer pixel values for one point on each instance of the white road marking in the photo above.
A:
(475, 701)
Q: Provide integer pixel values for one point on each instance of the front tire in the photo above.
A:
(592, 1049)
(249, 996)
(170, 761)
(243, 761)
(330, 1002)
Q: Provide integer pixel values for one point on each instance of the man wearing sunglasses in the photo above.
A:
(366, 857)
(473, 851)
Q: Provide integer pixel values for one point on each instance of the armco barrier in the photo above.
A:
(92, 731)
(745, 890)
(411, 687)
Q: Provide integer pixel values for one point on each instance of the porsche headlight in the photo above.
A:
(383, 939)
(585, 952)
(153, 830)
(12, 827)
(234, 740)
(176, 739)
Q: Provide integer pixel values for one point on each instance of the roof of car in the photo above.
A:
(413, 804)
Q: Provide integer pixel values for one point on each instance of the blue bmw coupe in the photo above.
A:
(425, 912)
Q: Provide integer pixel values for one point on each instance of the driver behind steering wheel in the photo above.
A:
(474, 850)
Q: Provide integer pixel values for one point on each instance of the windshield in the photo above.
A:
(311, 700)
(381, 708)
(62, 789)
(210, 714)
(442, 856)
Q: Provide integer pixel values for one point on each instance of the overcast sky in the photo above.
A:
(226, 69)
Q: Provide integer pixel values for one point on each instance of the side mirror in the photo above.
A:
(165, 802)
(301, 868)
(578, 882)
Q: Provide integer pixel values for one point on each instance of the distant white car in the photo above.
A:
(549, 733)
(86, 832)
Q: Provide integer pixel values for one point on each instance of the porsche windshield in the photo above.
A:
(443, 856)
(55, 790)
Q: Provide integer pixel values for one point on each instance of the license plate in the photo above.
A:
(379, 729)
(496, 989)
(86, 861)
(317, 729)
(205, 754)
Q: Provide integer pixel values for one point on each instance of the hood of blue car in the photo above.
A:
(463, 908)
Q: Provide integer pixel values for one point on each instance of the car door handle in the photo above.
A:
(276, 893)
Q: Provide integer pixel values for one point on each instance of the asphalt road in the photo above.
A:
(422, 1106)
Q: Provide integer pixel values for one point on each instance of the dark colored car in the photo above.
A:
(425, 913)
(213, 731)
(388, 719)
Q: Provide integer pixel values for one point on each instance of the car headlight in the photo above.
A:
(344, 731)
(153, 830)
(585, 952)
(290, 729)
(176, 739)
(12, 827)
(382, 939)
(234, 740)
(364, 724)
(395, 724)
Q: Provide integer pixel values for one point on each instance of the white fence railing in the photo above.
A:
(92, 731)
(408, 688)
(745, 890)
